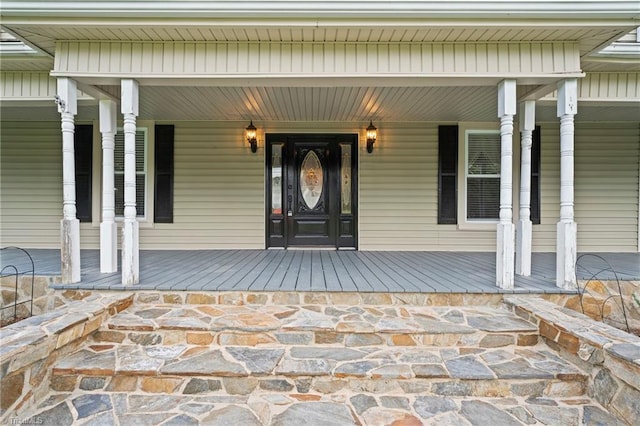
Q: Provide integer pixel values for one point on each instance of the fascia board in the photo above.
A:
(380, 9)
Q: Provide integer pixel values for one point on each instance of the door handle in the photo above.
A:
(289, 200)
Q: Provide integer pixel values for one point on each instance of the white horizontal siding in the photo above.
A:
(246, 58)
(219, 188)
(31, 186)
(606, 187)
(399, 195)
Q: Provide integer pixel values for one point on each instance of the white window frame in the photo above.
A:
(464, 129)
(145, 221)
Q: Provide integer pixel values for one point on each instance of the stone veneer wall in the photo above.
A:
(43, 295)
(601, 301)
(610, 356)
(29, 348)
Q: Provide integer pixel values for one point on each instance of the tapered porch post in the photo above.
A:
(130, 252)
(108, 229)
(524, 228)
(566, 247)
(69, 225)
(506, 231)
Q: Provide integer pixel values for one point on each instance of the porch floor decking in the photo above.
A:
(323, 270)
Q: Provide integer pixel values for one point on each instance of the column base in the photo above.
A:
(566, 255)
(523, 248)
(130, 253)
(108, 247)
(70, 250)
(505, 256)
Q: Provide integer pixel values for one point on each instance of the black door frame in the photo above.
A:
(345, 226)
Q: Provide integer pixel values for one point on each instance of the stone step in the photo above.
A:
(510, 371)
(350, 326)
(295, 409)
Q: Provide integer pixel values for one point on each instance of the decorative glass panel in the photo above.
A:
(345, 179)
(311, 179)
(276, 179)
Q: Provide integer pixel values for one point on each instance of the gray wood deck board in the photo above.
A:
(273, 261)
(397, 282)
(426, 270)
(372, 279)
(359, 280)
(254, 273)
(291, 276)
(318, 281)
(344, 278)
(413, 270)
(199, 264)
(239, 270)
(221, 270)
(275, 281)
(332, 282)
(317, 270)
(415, 283)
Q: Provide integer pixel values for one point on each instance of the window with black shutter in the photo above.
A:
(163, 199)
(83, 160)
(447, 174)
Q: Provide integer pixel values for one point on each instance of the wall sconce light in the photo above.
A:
(372, 135)
(251, 134)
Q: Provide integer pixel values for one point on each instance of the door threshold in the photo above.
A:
(312, 248)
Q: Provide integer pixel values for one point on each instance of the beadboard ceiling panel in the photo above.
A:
(316, 103)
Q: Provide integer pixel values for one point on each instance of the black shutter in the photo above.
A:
(535, 177)
(83, 156)
(163, 188)
(447, 174)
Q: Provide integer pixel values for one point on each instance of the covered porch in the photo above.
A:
(171, 168)
(328, 270)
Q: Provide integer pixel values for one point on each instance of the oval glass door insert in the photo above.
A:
(311, 180)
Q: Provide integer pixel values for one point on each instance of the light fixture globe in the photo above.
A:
(251, 135)
(372, 135)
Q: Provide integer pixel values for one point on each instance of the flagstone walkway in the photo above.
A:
(316, 364)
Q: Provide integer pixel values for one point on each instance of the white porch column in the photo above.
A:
(524, 228)
(108, 228)
(130, 252)
(566, 247)
(69, 225)
(506, 231)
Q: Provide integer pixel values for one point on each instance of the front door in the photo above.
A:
(311, 190)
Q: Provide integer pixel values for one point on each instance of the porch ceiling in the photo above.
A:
(321, 104)
(350, 104)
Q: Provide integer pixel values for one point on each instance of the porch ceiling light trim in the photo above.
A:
(372, 135)
(251, 134)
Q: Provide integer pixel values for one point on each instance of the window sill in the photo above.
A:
(142, 223)
(484, 225)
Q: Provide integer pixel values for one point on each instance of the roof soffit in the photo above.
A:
(368, 9)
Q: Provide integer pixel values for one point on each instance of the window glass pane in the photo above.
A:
(483, 152)
(483, 175)
(311, 179)
(276, 179)
(483, 198)
(345, 179)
